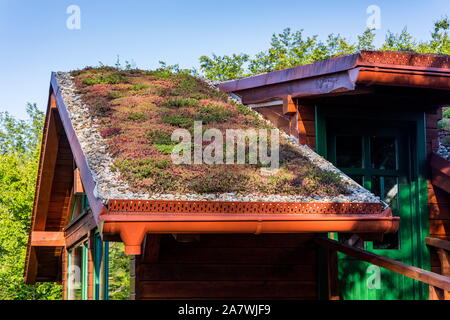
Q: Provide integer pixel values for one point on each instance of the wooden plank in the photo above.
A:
(151, 244)
(47, 172)
(77, 184)
(439, 227)
(439, 211)
(47, 239)
(226, 289)
(406, 270)
(289, 106)
(246, 240)
(300, 255)
(226, 272)
(80, 229)
(333, 277)
(438, 243)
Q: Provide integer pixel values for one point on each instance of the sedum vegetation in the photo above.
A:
(138, 110)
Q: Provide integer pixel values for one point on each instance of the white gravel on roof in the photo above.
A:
(109, 184)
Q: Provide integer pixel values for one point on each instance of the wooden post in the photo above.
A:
(333, 279)
(444, 258)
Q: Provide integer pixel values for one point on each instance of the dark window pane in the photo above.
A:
(390, 241)
(387, 189)
(349, 152)
(383, 151)
(358, 179)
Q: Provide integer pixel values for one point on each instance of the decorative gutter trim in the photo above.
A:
(241, 207)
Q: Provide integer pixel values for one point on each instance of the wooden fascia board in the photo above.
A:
(95, 204)
(403, 77)
(79, 229)
(30, 269)
(47, 239)
(291, 74)
(339, 82)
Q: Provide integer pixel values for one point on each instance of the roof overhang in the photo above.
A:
(345, 75)
(132, 219)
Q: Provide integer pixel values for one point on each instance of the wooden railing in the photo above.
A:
(442, 248)
(440, 283)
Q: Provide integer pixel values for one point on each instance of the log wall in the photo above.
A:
(232, 266)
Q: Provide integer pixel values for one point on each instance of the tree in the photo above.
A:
(291, 48)
(19, 153)
(225, 67)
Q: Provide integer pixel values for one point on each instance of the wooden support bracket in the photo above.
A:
(289, 106)
(47, 239)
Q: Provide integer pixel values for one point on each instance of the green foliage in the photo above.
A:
(158, 137)
(218, 181)
(119, 272)
(224, 67)
(108, 78)
(366, 39)
(446, 141)
(446, 113)
(178, 120)
(444, 124)
(291, 48)
(144, 168)
(165, 148)
(440, 39)
(208, 114)
(18, 169)
(402, 41)
(178, 103)
(136, 116)
(20, 136)
(139, 86)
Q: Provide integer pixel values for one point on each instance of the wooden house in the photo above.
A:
(372, 116)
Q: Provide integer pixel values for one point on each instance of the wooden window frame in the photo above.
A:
(101, 253)
(84, 270)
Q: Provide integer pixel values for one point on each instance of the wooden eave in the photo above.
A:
(132, 219)
(57, 126)
(351, 74)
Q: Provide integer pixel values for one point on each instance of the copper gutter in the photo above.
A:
(133, 219)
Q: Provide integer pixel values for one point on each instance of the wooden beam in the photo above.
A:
(428, 277)
(438, 243)
(47, 171)
(289, 106)
(77, 184)
(47, 239)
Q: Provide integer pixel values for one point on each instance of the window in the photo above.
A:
(349, 151)
(77, 273)
(80, 205)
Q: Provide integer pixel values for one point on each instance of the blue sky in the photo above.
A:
(34, 39)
